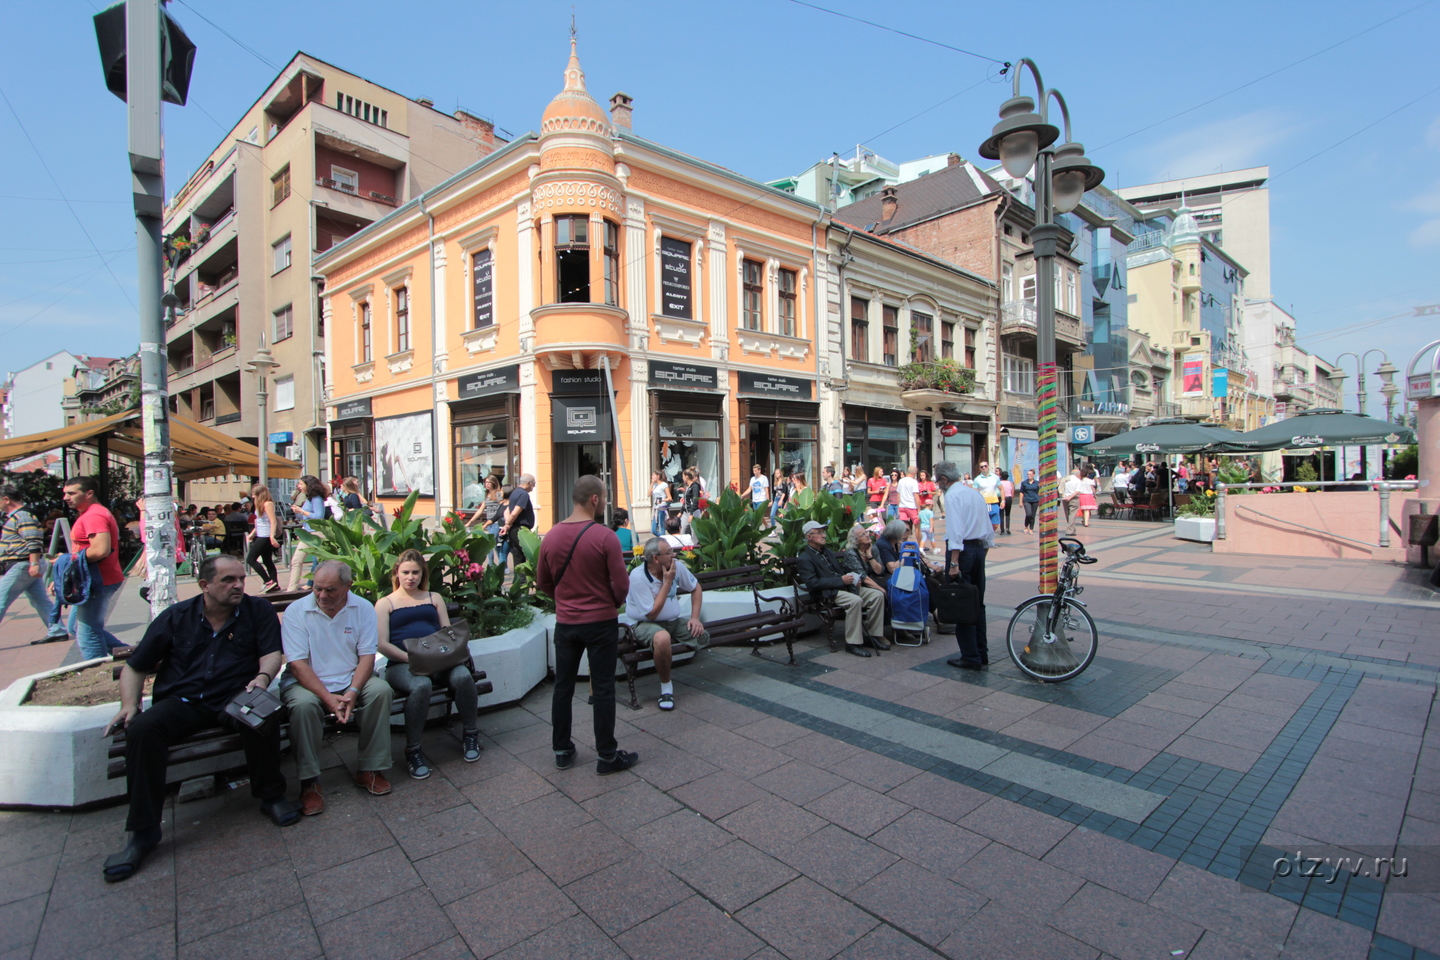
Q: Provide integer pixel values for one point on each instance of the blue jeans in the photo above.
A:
(95, 640)
(502, 545)
(17, 580)
(657, 520)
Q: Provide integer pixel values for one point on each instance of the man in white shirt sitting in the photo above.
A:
(330, 639)
(652, 608)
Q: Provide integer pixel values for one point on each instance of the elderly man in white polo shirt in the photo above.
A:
(330, 639)
(652, 608)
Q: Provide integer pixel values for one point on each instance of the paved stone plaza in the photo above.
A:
(1240, 710)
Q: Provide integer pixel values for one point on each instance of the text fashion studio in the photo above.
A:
(582, 434)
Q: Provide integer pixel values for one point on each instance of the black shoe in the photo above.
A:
(857, 651)
(282, 812)
(622, 761)
(145, 593)
(879, 643)
(965, 664)
(126, 863)
(565, 760)
(415, 763)
(471, 746)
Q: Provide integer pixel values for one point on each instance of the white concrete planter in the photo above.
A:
(57, 756)
(1195, 528)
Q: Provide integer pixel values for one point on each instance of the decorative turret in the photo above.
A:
(575, 131)
(1185, 229)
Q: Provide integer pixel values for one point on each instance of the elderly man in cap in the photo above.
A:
(821, 573)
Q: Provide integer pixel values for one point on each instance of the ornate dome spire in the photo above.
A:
(573, 110)
(1185, 229)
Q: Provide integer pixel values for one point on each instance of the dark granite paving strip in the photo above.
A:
(1107, 689)
(1213, 817)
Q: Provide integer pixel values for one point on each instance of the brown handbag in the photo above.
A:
(441, 651)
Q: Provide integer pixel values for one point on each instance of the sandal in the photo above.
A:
(667, 701)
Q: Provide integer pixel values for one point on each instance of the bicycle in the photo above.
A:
(1053, 638)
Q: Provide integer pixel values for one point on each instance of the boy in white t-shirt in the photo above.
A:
(759, 487)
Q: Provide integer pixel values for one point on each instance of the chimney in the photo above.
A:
(953, 160)
(888, 203)
(621, 109)
(425, 102)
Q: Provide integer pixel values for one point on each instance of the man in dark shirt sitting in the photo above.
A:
(821, 573)
(203, 651)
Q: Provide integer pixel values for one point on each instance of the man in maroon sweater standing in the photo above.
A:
(581, 567)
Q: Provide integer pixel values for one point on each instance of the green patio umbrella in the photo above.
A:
(1324, 428)
(1168, 436)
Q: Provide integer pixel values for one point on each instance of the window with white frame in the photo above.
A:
(1071, 299)
(788, 283)
(347, 181)
(1019, 375)
(402, 319)
(285, 393)
(1007, 281)
(1027, 288)
(753, 287)
(281, 249)
(367, 350)
(284, 327)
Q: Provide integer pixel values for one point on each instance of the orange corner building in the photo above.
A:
(581, 301)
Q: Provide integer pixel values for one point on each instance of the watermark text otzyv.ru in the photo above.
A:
(1329, 869)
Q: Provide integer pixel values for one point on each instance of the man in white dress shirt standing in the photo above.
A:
(969, 535)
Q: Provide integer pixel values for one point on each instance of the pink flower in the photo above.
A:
(474, 571)
(462, 557)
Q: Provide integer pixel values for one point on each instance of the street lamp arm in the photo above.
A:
(1064, 111)
(1034, 72)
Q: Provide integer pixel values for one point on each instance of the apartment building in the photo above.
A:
(1231, 210)
(580, 302)
(321, 154)
(34, 395)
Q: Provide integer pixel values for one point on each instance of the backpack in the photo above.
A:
(909, 594)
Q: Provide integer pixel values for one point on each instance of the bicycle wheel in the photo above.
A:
(1051, 659)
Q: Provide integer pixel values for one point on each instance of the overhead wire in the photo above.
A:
(60, 190)
(903, 33)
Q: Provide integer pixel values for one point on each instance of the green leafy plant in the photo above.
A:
(728, 535)
(1232, 472)
(838, 513)
(1306, 473)
(455, 556)
(945, 374)
(1202, 505)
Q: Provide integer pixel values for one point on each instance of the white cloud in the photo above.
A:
(1229, 144)
(1427, 234)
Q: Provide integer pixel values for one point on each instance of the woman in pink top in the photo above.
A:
(1007, 500)
(928, 489)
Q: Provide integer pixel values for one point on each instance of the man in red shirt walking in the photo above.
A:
(581, 567)
(96, 533)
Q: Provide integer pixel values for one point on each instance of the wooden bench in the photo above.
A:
(217, 741)
(762, 625)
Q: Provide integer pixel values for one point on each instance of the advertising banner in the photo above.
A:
(1220, 381)
(675, 278)
(1192, 375)
(404, 455)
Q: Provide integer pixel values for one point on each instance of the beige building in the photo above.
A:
(321, 154)
(1232, 210)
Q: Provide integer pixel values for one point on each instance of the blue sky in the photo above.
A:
(767, 87)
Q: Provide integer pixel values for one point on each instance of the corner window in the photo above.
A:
(402, 319)
(1027, 288)
(482, 270)
(754, 295)
(285, 393)
(366, 351)
(572, 259)
(1019, 376)
(789, 281)
(860, 329)
(284, 323)
(346, 181)
(281, 251)
(890, 328)
(612, 264)
(280, 186)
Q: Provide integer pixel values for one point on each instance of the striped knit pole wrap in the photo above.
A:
(1049, 527)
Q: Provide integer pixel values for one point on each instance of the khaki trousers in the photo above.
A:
(307, 723)
(870, 603)
(298, 560)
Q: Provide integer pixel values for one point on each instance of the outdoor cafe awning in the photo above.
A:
(1326, 428)
(197, 451)
(1166, 436)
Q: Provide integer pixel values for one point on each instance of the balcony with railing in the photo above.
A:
(341, 186)
(1020, 317)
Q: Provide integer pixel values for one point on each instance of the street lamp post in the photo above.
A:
(1386, 372)
(1023, 140)
(261, 364)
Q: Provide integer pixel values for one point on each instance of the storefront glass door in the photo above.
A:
(574, 460)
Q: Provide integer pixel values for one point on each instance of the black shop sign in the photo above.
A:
(675, 278)
(486, 382)
(774, 385)
(353, 409)
(664, 374)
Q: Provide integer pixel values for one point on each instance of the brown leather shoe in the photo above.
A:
(311, 802)
(373, 781)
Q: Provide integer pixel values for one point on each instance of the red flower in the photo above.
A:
(395, 512)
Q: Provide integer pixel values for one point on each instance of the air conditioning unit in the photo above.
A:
(292, 451)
